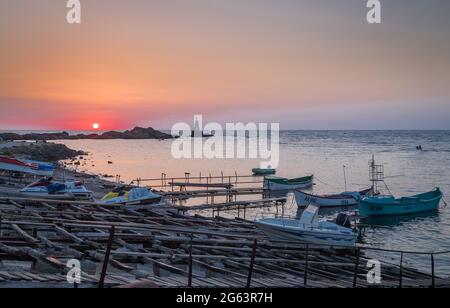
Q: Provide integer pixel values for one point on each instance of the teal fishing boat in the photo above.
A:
(388, 205)
(261, 171)
(379, 205)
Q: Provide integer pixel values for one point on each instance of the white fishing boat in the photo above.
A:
(310, 230)
(304, 199)
(46, 188)
(276, 183)
(131, 196)
(26, 166)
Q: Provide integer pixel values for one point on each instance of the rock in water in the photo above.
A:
(50, 152)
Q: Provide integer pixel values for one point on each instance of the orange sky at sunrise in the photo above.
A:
(156, 62)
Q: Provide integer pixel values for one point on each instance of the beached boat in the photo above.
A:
(277, 183)
(46, 188)
(26, 166)
(376, 206)
(309, 229)
(133, 196)
(337, 200)
(262, 171)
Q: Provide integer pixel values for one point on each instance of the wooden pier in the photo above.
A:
(158, 247)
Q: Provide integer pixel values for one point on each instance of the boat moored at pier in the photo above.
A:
(336, 200)
(376, 206)
(278, 183)
(309, 229)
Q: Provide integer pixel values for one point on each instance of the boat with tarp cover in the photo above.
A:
(131, 196)
(46, 188)
(26, 166)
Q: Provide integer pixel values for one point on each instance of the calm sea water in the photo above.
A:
(322, 153)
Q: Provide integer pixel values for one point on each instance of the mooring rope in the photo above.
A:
(322, 182)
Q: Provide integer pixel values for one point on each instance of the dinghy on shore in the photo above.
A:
(310, 230)
(46, 188)
(26, 166)
(337, 200)
(377, 206)
(277, 183)
(133, 196)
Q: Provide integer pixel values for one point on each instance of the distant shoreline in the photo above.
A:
(135, 133)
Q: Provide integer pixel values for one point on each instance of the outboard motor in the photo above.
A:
(343, 220)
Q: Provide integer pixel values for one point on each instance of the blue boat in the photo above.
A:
(376, 206)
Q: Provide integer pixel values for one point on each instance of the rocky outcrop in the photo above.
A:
(135, 133)
(49, 152)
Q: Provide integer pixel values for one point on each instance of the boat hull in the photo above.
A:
(85, 196)
(273, 184)
(119, 201)
(382, 206)
(310, 237)
(30, 167)
(351, 199)
(262, 172)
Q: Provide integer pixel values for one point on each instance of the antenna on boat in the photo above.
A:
(345, 177)
(376, 174)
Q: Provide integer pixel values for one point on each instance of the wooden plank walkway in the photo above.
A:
(161, 245)
(213, 192)
(233, 205)
(183, 185)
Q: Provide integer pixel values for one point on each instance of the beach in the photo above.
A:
(49, 152)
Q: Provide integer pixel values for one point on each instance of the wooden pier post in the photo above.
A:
(305, 277)
(252, 264)
(433, 282)
(34, 263)
(355, 276)
(190, 261)
(107, 255)
(401, 271)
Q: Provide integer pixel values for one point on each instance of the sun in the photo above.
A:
(95, 126)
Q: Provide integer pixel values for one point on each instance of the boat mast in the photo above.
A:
(376, 174)
(345, 178)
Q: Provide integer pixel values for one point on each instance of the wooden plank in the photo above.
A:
(8, 276)
(213, 185)
(24, 234)
(31, 277)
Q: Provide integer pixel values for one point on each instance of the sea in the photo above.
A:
(326, 154)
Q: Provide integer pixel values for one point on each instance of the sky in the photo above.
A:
(306, 64)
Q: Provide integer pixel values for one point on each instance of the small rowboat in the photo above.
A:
(277, 183)
(309, 229)
(388, 205)
(343, 199)
(261, 171)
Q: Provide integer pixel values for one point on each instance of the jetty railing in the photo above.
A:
(207, 180)
(309, 248)
(195, 250)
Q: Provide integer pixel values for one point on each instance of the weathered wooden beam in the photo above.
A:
(24, 234)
